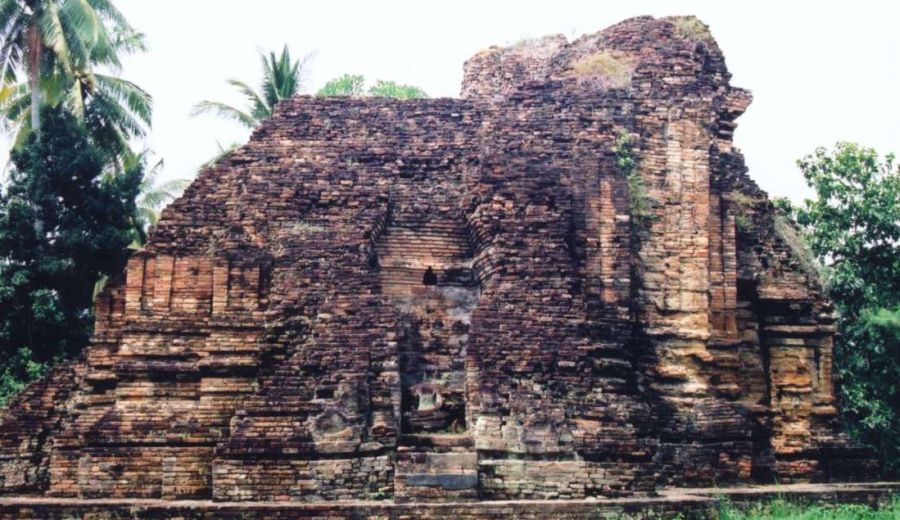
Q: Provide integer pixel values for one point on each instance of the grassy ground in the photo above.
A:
(784, 509)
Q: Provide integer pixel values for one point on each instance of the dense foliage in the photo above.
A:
(853, 227)
(64, 224)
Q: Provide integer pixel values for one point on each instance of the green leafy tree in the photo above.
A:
(281, 80)
(63, 225)
(17, 371)
(395, 90)
(51, 40)
(348, 85)
(853, 227)
(354, 85)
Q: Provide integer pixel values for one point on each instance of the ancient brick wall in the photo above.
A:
(457, 299)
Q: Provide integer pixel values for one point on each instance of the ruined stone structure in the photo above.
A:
(561, 285)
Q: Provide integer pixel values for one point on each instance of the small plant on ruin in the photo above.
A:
(794, 239)
(743, 223)
(691, 28)
(638, 198)
(743, 206)
(611, 71)
(789, 231)
(221, 154)
(211, 246)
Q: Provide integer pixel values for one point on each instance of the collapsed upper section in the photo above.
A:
(638, 52)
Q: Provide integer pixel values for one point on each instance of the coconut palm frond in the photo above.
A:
(281, 80)
(225, 111)
(74, 36)
(128, 95)
(54, 34)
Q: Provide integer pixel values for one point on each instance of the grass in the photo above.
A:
(795, 241)
(612, 71)
(525, 41)
(781, 508)
(690, 28)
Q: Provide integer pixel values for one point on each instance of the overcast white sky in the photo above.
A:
(819, 71)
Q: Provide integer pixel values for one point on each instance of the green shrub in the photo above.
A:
(639, 201)
(523, 42)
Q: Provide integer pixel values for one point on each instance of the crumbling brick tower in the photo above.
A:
(562, 284)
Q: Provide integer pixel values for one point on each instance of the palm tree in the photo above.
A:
(281, 80)
(114, 111)
(224, 151)
(151, 200)
(49, 40)
(153, 197)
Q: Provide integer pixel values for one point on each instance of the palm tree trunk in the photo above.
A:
(35, 50)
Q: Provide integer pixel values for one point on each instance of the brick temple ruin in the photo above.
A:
(561, 285)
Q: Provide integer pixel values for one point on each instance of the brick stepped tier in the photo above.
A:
(673, 502)
(430, 476)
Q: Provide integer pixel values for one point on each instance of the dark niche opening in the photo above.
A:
(429, 278)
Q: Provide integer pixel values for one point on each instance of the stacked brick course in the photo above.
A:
(454, 300)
